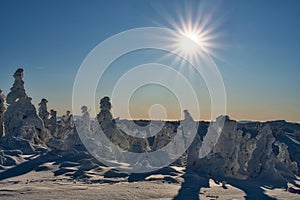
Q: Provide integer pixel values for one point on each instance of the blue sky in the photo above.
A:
(258, 54)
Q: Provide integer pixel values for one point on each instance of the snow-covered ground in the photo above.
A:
(108, 185)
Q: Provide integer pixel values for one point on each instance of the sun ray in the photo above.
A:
(196, 26)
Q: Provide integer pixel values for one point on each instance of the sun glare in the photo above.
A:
(193, 36)
(197, 32)
(188, 43)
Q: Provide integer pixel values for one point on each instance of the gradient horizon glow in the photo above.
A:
(255, 44)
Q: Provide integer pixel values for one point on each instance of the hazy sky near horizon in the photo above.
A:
(257, 51)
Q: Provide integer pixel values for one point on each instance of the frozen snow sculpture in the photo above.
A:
(53, 122)
(193, 151)
(43, 112)
(139, 145)
(263, 159)
(250, 155)
(22, 121)
(105, 117)
(179, 149)
(163, 137)
(2, 110)
(85, 117)
(67, 120)
(108, 126)
(83, 125)
(248, 145)
(17, 91)
(284, 157)
(20, 118)
(189, 127)
(228, 146)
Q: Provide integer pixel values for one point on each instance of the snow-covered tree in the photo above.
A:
(139, 144)
(108, 126)
(105, 117)
(189, 127)
(284, 157)
(20, 118)
(85, 117)
(163, 137)
(53, 122)
(17, 91)
(43, 112)
(67, 120)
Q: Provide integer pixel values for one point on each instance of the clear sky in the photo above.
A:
(257, 49)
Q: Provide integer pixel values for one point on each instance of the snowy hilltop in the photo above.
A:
(266, 152)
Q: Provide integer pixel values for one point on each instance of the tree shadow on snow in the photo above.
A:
(193, 182)
(27, 166)
(70, 164)
(191, 186)
(167, 172)
(253, 190)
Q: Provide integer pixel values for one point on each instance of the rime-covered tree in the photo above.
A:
(189, 127)
(53, 121)
(85, 117)
(284, 157)
(105, 117)
(163, 137)
(67, 120)
(43, 112)
(20, 118)
(17, 91)
(108, 126)
(139, 144)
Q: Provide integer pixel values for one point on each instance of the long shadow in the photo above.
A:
(252, 189)
(26, 167)
(35, 163)
(164, 171)
(293, 190)
(114, 174)
(72, 165)
(191, 186)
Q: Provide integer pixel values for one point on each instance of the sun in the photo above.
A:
(188, 43)
(198, 32)
(193, 36)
